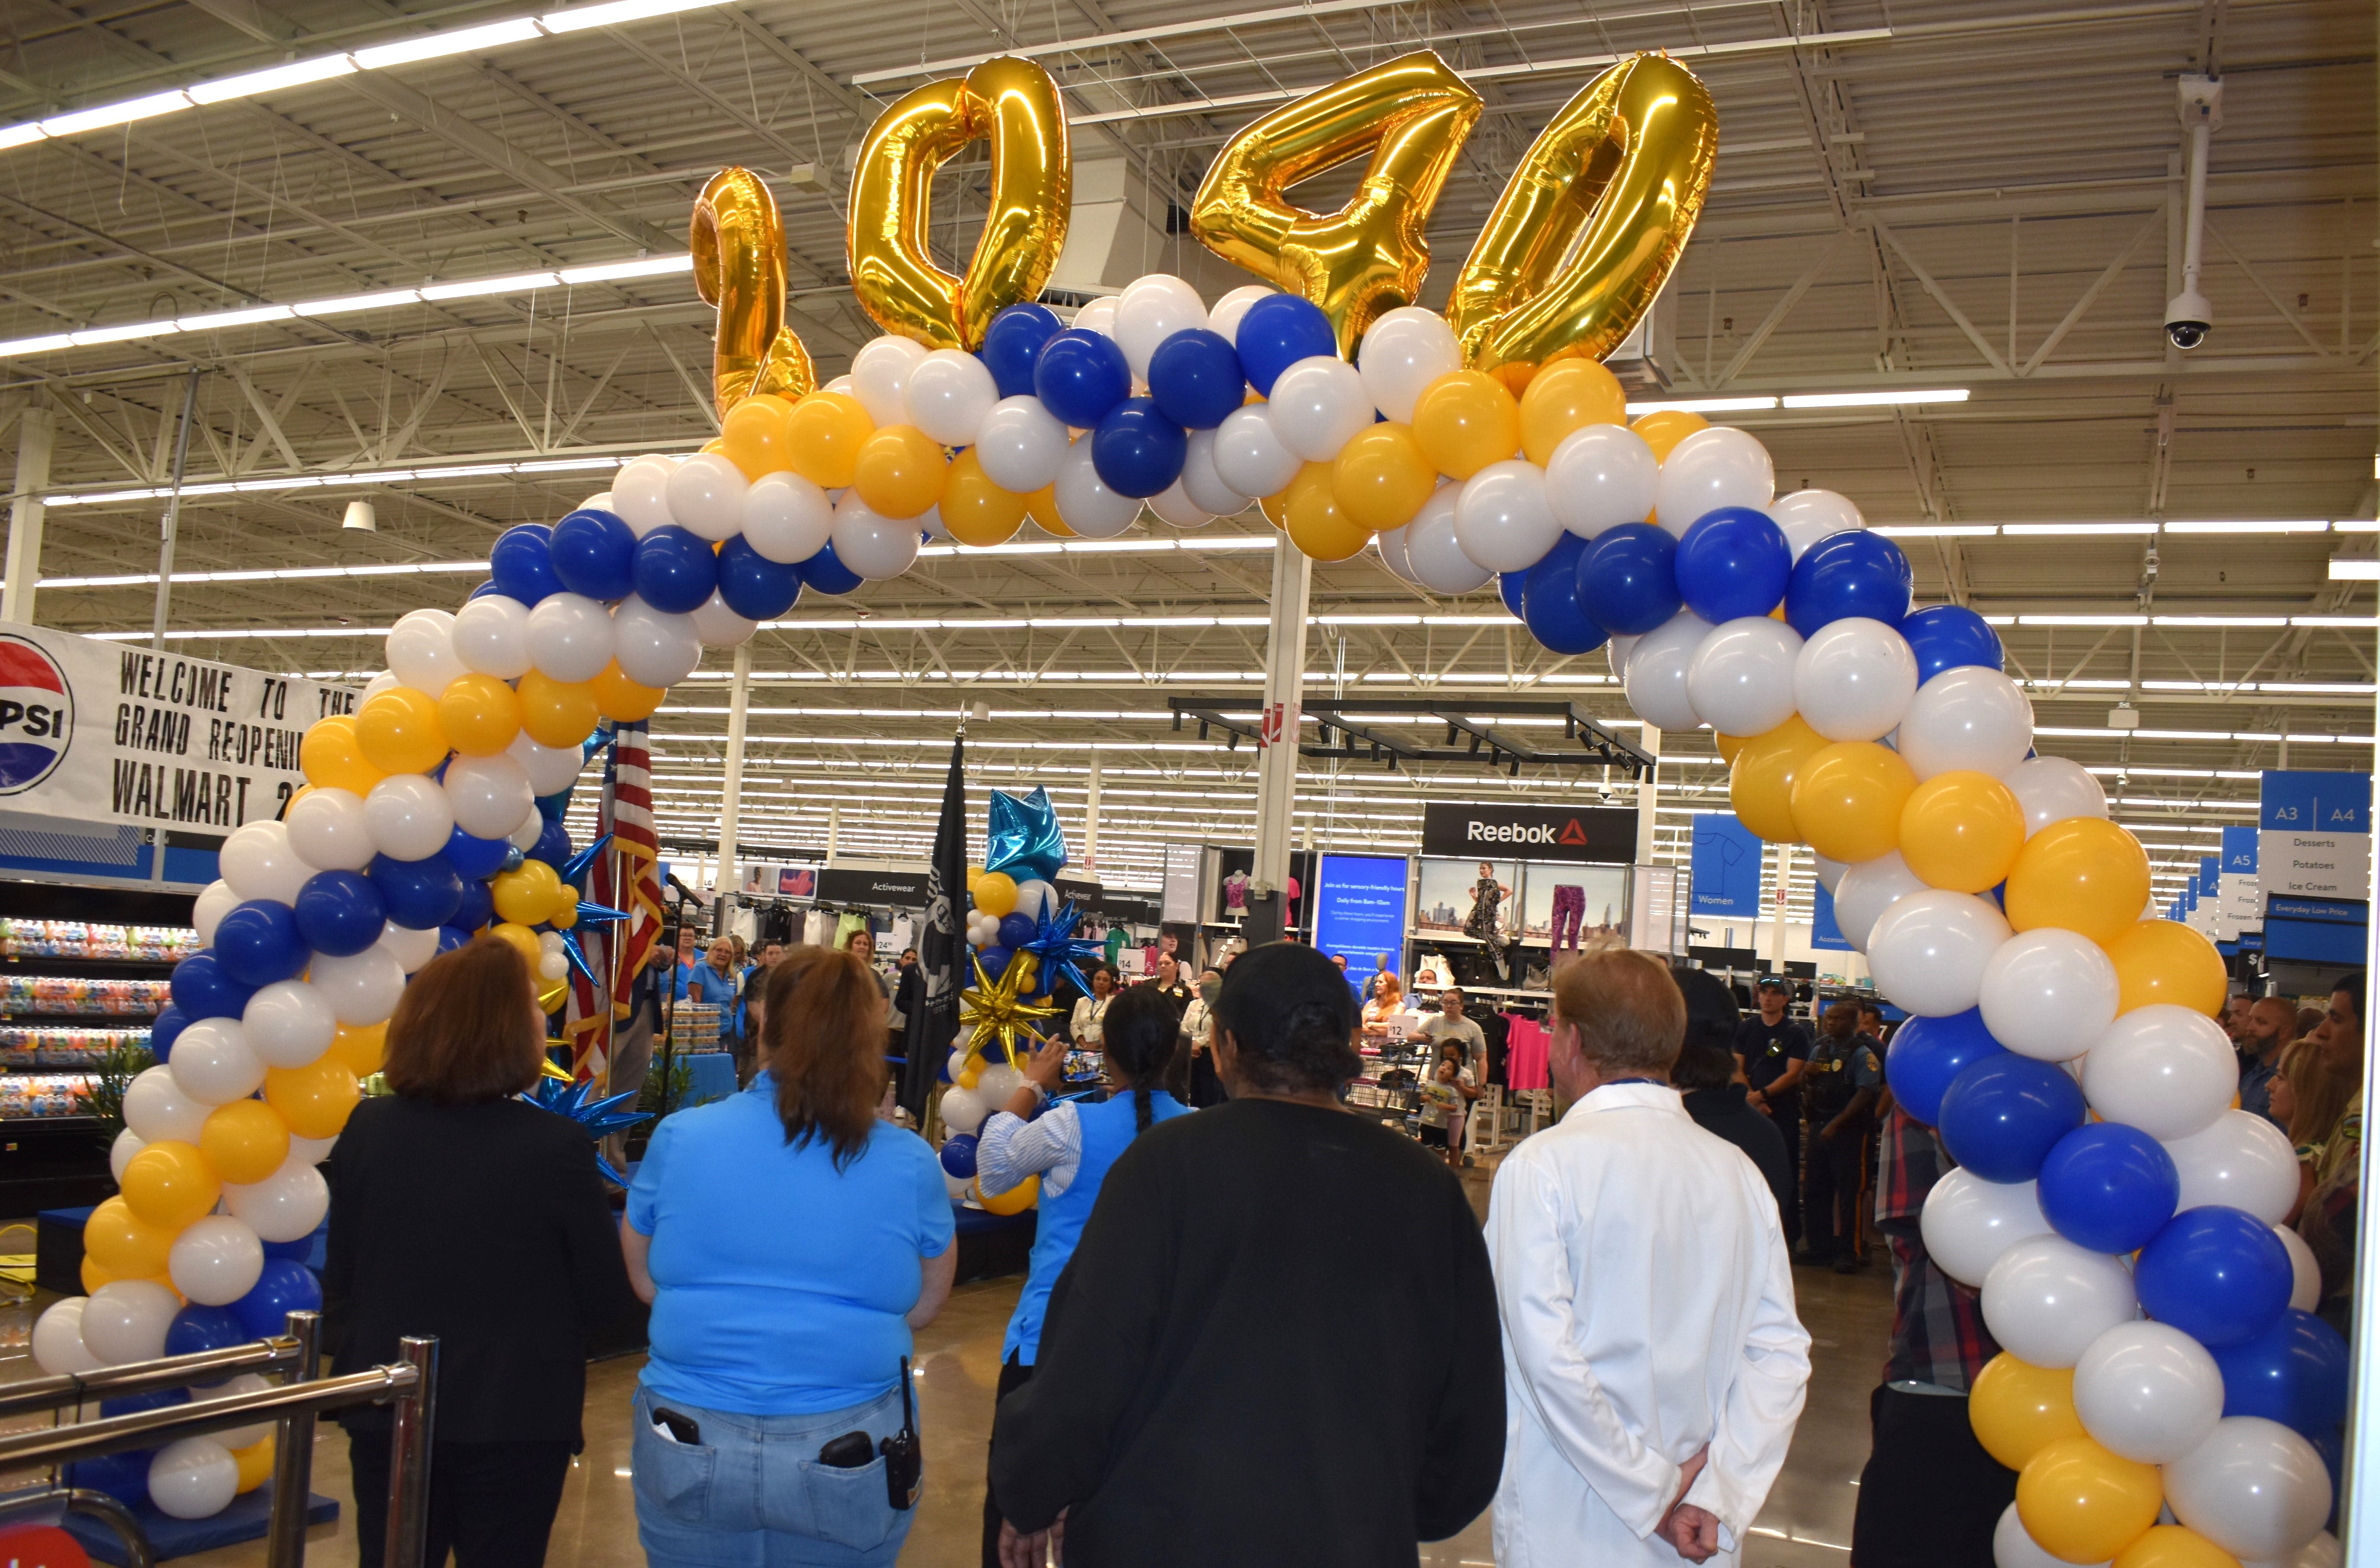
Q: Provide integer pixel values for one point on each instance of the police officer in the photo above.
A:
(1775, 1051)
(1839, 1087)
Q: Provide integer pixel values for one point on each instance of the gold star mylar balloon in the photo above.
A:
(996, 1010)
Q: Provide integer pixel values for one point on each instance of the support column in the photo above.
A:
(833, 829)
(1777, 909)
(1648, 797)
(1091, 821)
(172, 519)
(1293, 583)
(728, 878)
(25, 513)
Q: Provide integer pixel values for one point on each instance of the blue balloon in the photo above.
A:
(1513, 587)
(197, 1328)
(1733, 563)
(552, 844)
(1944, 637)
(167, 1027)
(827, 574)
(341, 912)
(1929, 1054)
(452, 937)
(1276, 333)
(595, 553)
(2218, 1274)
(1196, 378)
(513, 858)
(2002, 1116)
(2295, 1372)
(521, 562)
(204, 988)
(1549, 600)
(1080, 376)
(134, 1403)
(479, 905)
(296, 1251)
(474, 858)
(1012, 346)
(994, 958)
(676, 570)
(958, 1155)
(1136, 450)
(418, 894)
(1628, 579)
(554, 807)
(753, 586)
(286, 1286)
(482, 591)
(1848, 574)
(1016, 930)
(124, 1477)
(258, 942)
(2108, 1188)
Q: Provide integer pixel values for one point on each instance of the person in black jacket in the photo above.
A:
(1711, 1080)
(459, 1212)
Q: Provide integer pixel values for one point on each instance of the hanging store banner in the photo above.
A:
(1604, 833)
(1727, 857)
(101, 733)
(1825, 932)
(2240, 897)
(2315, 834)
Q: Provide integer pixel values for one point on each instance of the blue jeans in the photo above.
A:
(752, 1493)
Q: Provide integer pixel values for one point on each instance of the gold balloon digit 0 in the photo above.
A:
(739, 266)
(1591, 224)
(1014, 104)
(1371, 255)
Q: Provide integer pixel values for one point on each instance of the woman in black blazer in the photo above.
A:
(460, 1211)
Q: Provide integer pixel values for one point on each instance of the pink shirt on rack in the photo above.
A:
(1525, 1053)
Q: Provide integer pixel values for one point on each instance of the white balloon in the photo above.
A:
(1927, 951)
(879, 377)
(706, 496)
(2011, 1548)
(2162, 1068)
(1150, 310)
(384, 681)
(2050, 789)
(1404, 351)
(963, 1110)
(1224, 317)
(570, 636)
(1099, 316)
(327, 831)
(213, 1065)
(1434, 551)
(552, 966)
(1867, 890)
(421, 651)
(1202, 485)
(2049, 993)
(2148, 1393)
(640, 496)
(550, 768)
(215, 1260)
(490, 636)
(1020, 444)
(361, 989)
(1318, 405)
(1966, 718)
(1036, 899)
(719, 627)
(312, 1150)
(841, 383)
(120, 1152)
(218, 899)
(246, 1382)
(598, 502)
(1599, 477)
(1717, 467)
(2240, 1161)
(288, 1024)
(1656, 683)
(1967, 1222)
(258, 863)
(1249, 457)
(948, 395)
(409, 817)
(1809, 515)
(1501, 518)
(1085, 503)
(57, 1341)
(409, 947)
(2323, 1551)
(287, 1205)
(2046, 1299)
(156, 1109)
(2305, 1273)
(1741, 681)
(2253, 1488)
(785, 517)
(873, 544)
(126, 1320)
(1390, 543)
(1829, 872)
(1172, 504)
(996, 1083)
(653, 647)
(1854, 680)
(194, 1478)
(524, 838)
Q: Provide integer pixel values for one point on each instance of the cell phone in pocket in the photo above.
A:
(676, 1428)
(905, 1460)
(849, 1452)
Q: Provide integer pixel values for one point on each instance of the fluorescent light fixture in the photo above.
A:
(117, 113)
(438, 45)
(2188, 527)
(1937, 530)
(1873, 399)
(513, 283)
(2355, 525)
(298, 73)
(617, 13)
(2074, 530)
(2219, 620)
(2082, 620)
(2343, 569)
(2339, 623)
(232, 318)
(117, 335)
(1703, 406)
(340, 305)
(613, 272)
(19, 134)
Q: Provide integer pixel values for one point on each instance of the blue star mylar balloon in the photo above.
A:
(600, 1118)
(1058, 949)
(1025, 840)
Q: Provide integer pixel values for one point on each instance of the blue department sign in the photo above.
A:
(2313, 836)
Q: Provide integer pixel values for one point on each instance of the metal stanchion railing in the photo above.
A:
(293, 1452)
(408, 1462)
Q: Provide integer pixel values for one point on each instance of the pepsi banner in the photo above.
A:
(101, 732)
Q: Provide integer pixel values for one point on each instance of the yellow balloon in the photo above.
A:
(823, 435)
(623, 700)
(740, 265)
(1016, 1200)
(976, 511)
(995, 893)
(1012, 102)
(1961, 831)
(557, 713)
(93, 1275)
(1311, 517)
(1664, 428)
(1760, 784)
(479, 714)
(1042, 507)
(758, 434)
(2171, 1546)
(1729, 745)
(1274, 508)
(2086, 874)
(1465, 420)
(2079, 1502)
(334, 759)
(1413, 114)
(524, 941)
(1846, 801)
(525, 894)
(975, 874)
(1380, 478)
(122, 1242)
(244, 1141)
(901, 472)
(361, 1049)
(1565, 397)
(255, 1464)
(314, 1099)
(2019, 1409)
(169, 1183)
(566, 913)
(399, 731)
(2165, 961)
(972, 1073)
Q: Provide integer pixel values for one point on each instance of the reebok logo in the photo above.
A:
(1477, 832)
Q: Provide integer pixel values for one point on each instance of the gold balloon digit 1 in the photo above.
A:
(1371, 255)
(739, 266)
(1013, 104)
(1590, 225)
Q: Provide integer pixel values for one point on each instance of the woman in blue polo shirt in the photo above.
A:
(1069, 1148)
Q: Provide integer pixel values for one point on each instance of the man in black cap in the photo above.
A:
(1775, 1051)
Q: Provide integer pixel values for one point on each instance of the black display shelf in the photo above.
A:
(51, 1163)
(66, 968)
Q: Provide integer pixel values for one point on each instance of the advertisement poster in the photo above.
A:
(1450, 891)
(1727, 867)
(1359, 911)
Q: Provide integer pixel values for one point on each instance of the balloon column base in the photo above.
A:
(992, 1245)
(170, 1537)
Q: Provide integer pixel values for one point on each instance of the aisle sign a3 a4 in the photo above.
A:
(2314, 833)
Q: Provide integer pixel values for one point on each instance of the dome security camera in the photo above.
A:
(2188, 319)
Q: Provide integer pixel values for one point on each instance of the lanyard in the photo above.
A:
(1615, 1083)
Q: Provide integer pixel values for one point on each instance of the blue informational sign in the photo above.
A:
(1823, 931)
(2312, 801)
(2314, 930)
(1727, 867)
(2209, 867)
(2240, 851)
(1359, 910)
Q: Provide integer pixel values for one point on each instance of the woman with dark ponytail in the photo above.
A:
(1070, 1147)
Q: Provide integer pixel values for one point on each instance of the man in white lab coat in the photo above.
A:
(1653, 1364)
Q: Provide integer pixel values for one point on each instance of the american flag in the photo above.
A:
(630, 867)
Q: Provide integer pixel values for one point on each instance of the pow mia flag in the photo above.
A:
(941, 950)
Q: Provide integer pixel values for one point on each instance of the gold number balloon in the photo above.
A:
(1590, 225)
(739, 266)
(1014, 104)
(1371, 255)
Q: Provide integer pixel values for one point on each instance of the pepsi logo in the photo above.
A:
(36, 715)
